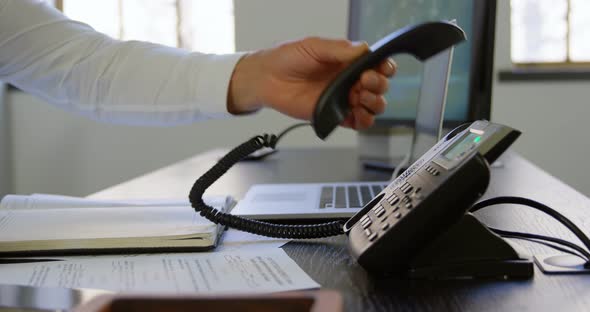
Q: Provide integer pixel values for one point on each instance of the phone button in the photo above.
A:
(433, 171)
(418, 196)
(379, 211)
(368, 232)
(393, 199)
(373, 237)
(365, 219)
(365, 222)
(407, 188)
(384, 226)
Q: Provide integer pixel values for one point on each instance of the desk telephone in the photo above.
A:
(413, 225)
(428, 198)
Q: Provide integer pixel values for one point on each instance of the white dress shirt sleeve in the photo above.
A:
(72, 66)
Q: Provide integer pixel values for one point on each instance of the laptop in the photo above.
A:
(306, 201)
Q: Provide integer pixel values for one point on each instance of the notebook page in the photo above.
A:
(46, 224)
(51, 201)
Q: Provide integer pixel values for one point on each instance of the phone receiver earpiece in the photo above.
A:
(422, 41)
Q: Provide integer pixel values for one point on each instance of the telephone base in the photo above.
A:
(470, 250)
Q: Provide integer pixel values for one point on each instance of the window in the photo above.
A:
(197, 25)
(550, 32)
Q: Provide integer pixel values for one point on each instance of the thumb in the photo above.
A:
(336, 51)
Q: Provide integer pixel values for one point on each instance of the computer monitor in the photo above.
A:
(470, 84)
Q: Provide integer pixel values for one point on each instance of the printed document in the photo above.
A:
(237, 271)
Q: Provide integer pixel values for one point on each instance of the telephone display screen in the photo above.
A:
(463, 146)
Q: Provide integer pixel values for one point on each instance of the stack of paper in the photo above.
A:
(254, 270)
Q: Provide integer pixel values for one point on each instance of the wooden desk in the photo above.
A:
(327, 261)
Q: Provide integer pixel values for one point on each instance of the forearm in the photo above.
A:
(72, 66)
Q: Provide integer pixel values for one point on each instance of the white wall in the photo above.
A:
(552, 115)
(263, 23)
(57, 152)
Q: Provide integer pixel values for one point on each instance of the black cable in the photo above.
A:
(534, 204)
(249, 225)
(560, 241)
(548, 244)
(263, 153)
(289, 129)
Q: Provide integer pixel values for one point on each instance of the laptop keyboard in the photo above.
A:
(349, 196)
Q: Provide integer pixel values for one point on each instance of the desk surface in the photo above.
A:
(328, 262)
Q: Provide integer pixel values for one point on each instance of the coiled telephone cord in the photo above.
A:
(248, 225)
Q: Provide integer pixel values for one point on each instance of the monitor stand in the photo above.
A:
(384, 148)
(387, 148)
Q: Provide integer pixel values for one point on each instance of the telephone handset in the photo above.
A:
(422, 41)
(433, 194)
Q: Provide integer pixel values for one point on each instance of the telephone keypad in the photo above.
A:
(390, 210)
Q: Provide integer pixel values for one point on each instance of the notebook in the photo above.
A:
(33, 226)
(343, 200)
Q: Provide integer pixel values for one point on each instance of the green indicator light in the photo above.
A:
(477, 139)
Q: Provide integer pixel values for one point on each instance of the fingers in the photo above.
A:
(364, 106)
(361, 118)
(371, 102)
(388, 67)
(333, 50)
(368, 92)
(374, 82)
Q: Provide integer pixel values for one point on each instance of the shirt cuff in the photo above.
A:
(212, 87)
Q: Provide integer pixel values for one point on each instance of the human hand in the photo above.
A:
(291, 77)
